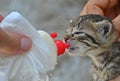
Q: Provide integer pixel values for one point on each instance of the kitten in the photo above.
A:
(95, 36)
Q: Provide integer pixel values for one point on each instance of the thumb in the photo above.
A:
(12, 43)
(116, 22)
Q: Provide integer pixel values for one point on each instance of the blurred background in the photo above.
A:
(54, 15)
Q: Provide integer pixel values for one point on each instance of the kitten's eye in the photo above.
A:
(78, 32)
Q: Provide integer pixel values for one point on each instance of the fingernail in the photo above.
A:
(25, 43)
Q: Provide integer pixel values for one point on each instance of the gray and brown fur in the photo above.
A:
(95, 36)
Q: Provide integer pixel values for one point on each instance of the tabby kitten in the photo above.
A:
(95, 36)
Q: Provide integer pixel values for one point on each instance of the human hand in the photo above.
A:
(12, 43)
(108, 8)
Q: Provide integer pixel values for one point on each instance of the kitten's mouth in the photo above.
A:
(76, 48)
(72, 44)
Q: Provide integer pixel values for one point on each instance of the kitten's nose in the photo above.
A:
(67, 37)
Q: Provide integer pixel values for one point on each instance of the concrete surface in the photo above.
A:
(54, 15)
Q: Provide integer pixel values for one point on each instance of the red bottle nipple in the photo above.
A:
(61, 46)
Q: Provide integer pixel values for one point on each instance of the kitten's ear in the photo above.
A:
(104, 27)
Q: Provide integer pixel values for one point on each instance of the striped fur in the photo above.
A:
(95, 36)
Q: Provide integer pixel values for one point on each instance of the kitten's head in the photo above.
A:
(90, 35)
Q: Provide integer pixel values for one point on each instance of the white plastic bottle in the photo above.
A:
(35, 64)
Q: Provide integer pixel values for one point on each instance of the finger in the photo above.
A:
(116, 79)
(116, 22)
(98, 6)
(1, 18)
(91, 9)
(12, 43)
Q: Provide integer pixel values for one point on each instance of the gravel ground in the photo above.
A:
(54, 15)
